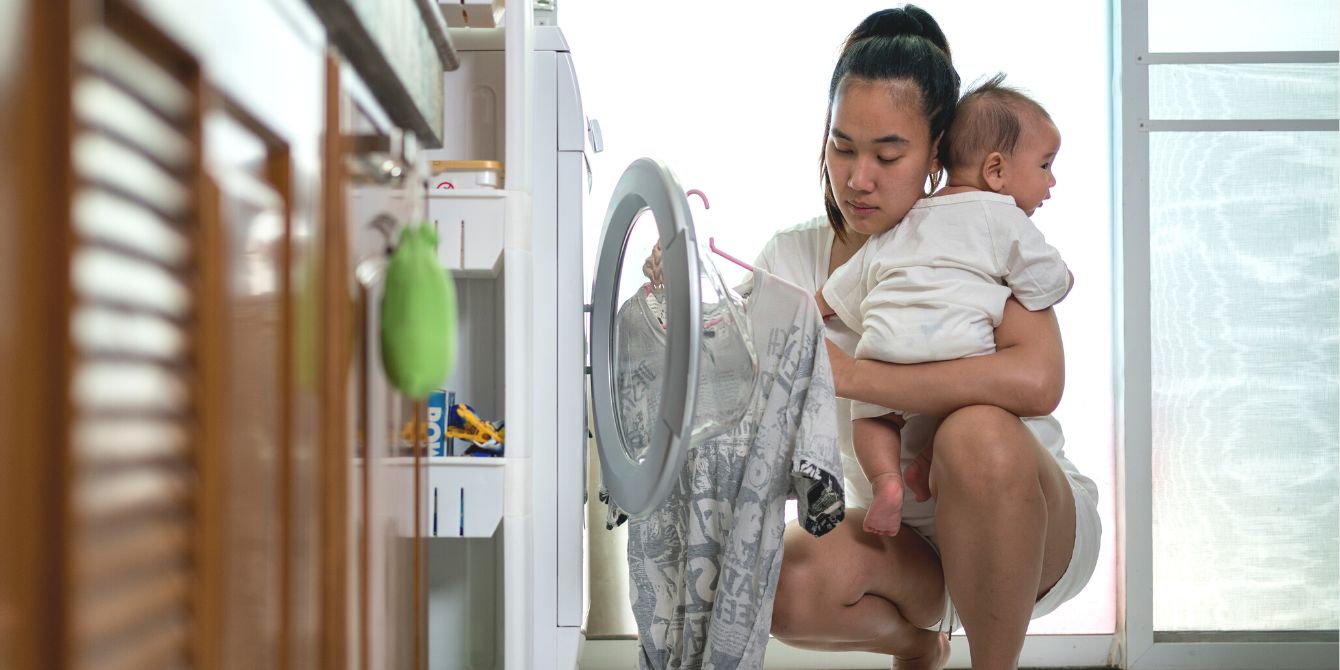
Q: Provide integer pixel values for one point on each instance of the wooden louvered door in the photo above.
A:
(200, 461)
(253, 231)
(138, 401)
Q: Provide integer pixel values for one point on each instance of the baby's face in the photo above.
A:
(1028, 173)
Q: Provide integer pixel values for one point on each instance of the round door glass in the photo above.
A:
(726, 360)
(641, 326)
(656, 347)
(642, 371)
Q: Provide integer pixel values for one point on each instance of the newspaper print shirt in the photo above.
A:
(703, 565)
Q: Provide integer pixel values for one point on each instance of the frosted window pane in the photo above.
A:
(1244, 25)
(1265, 91)
(1244, 320)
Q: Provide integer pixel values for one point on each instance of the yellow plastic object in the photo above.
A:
(464, 424)
(407, 433)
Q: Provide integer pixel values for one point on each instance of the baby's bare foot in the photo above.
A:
(885, 515)
(932, 653)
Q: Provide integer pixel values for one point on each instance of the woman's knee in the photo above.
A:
(982, 447)
(796, 590)
(814, 578)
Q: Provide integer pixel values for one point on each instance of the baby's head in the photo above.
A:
(1003, 141)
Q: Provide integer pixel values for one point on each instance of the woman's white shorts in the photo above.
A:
(1088, 536)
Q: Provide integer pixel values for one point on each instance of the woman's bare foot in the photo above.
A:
(885, 515)
(932, 653)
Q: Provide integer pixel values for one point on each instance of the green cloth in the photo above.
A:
(418, 329)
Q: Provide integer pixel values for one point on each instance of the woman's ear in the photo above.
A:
(993, 171)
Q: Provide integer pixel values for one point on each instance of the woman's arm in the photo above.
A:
(1025, 376)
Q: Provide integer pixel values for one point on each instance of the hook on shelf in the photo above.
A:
(700, 194)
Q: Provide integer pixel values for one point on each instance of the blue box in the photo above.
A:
(437, 424)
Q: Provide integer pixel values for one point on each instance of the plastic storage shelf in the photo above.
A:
(464, 496)
(471, 228)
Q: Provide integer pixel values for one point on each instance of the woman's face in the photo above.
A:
(878, 153)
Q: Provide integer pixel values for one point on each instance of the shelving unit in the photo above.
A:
(471, 227)
(476, 516)
(465, 496)
(514, 566)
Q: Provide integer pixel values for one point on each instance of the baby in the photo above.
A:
(934, 286)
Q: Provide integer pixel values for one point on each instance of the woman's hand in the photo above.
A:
(842, 365)
(652, 268)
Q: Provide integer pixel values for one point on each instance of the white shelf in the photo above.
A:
(442, 461)
(450, 193)
(471, 228)
(464, 496)
(465, 461)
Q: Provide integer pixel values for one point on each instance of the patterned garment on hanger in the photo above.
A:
(703, 565)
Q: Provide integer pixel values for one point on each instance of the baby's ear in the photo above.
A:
(993, 171)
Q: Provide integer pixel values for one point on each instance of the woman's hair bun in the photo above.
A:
(891, 22)
(905, 20)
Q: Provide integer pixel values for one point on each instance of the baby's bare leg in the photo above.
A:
(878, 446)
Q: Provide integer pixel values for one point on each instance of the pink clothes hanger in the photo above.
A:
(712, 244)
(712, 241)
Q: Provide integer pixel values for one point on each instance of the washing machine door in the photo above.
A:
(644, 339)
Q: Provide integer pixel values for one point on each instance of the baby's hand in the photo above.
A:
(652, 268)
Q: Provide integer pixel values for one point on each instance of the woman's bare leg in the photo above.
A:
(1005, 522)
(850, 590)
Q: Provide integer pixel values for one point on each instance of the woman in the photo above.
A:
(1012, 528)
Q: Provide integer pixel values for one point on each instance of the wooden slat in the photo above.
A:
(101, 275)
(102, 105)
(118, 60)
(99, 158)
(116, 441)
(129, 386)
(97, 330)
(139, 547)
(140, 493)
(163, 646)
(126, 224)
(182, 220)
(157, 597)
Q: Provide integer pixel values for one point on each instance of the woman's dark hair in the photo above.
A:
(904, 43)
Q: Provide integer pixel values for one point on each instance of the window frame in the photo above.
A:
(1140, 645)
